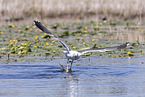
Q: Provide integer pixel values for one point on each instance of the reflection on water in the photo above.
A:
(121, 34)
(105, 77)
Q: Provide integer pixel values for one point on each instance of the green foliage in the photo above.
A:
(103, 32)
(27, 40)
(113, 23)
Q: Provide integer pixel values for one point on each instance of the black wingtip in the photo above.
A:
(39, 25)
(35, 22)
(127, 43)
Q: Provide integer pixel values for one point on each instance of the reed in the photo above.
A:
(120, 9)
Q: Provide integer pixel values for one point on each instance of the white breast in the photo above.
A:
(74, 55)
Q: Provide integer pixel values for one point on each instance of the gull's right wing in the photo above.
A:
(113, 48)
(45, 30)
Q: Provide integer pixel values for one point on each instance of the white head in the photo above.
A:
(74, 55)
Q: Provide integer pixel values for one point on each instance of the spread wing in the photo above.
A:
(113, 48)
(45, 30)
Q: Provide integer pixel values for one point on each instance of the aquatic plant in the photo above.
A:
(24, 40)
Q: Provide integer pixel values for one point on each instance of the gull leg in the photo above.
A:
(70, 66)
(67, 68)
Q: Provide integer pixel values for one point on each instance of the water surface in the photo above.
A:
(91, 76)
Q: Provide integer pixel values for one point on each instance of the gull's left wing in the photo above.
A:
(113, 48)
(45, 30)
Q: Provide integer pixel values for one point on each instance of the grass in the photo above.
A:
(15, 10)
(26, 43)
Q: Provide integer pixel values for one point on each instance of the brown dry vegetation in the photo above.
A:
(15, 10)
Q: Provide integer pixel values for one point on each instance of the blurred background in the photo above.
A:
(23, 11)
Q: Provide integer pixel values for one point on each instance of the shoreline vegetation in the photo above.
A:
(17, 10)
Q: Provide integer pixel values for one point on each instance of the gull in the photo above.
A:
(72, 55)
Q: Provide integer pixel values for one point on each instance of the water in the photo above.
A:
(91, 77)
